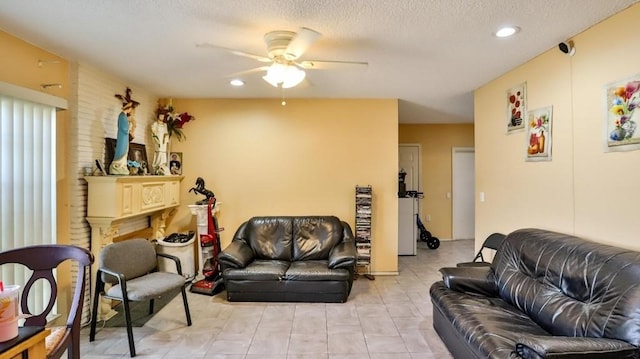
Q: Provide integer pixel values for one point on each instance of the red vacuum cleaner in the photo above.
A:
(212, 283)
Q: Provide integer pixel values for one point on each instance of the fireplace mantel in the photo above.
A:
(112, 200)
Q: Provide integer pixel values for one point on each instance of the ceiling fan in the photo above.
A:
(284, 50)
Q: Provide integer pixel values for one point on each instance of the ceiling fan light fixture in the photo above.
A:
(284, 75)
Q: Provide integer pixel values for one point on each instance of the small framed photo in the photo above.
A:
(137, 152)
(102, 170)
(175, 163)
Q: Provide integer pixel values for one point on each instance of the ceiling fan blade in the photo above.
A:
(235, 52)
(332, 65)
(300, 43)
(250, 71)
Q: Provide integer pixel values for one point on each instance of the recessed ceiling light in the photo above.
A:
(236, 82)
(507, 31)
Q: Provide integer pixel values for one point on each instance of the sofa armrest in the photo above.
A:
(343, 255)
(537, 347)
(237, 255)
(347, 233)
(478, 280)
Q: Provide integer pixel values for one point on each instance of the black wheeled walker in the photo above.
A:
(425, 235)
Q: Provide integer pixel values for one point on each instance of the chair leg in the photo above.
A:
(127, 317)
(186, 306)
(94, 311)
(74, 348)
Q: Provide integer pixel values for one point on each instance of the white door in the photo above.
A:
(463, 175)
(409, 160)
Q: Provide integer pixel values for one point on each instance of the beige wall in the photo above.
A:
(261, 158)
(583, 190)
(436, 142)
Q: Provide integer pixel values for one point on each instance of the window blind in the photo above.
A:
(27, 188)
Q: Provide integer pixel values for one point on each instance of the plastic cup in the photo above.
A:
(9, 312)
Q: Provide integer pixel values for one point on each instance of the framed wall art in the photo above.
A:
(175, 163)
(538, 124)
(516, 107)
(137, 152)
(621, 99)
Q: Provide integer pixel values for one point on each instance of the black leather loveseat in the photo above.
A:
(546, 295)
(290, 259)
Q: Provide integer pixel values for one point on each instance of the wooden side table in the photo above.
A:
(30, 341)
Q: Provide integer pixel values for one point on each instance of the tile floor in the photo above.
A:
(389, 317)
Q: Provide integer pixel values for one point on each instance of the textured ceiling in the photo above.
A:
(430, 54)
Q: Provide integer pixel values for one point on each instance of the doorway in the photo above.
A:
(463, 178)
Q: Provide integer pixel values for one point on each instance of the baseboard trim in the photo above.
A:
(385, 273)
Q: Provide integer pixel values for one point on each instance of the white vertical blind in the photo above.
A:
(27, 188)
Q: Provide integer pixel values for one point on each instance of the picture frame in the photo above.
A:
(137, 152)
(516, 107)
(621, 116)
(102, 170)
(175, 163)
(539, 135)
(109, 150)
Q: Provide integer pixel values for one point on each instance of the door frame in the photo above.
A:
(454, 151)
(420, 176)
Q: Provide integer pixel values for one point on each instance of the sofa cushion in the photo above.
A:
(269, 237)
(315, 236)
(489, 325)
(260, 269)
(314, 270)
(569, 286)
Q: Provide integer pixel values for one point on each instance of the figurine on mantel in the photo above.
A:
(160, 136)
(168, 124)
(126, 126)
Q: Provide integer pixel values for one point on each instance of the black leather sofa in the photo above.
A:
(290, 259)
(546, 295)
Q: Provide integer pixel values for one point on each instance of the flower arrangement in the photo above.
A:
(174, 120)
(625, 101)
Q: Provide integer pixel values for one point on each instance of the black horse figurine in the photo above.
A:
(200, 189)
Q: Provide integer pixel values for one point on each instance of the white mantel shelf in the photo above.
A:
(122, 197)
(112, 200)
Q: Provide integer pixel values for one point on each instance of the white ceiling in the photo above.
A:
(430, 54)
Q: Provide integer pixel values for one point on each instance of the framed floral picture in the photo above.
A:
(538, 123)
(516, 101)
(621, 114)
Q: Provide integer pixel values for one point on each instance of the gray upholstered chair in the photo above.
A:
(131, 266)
